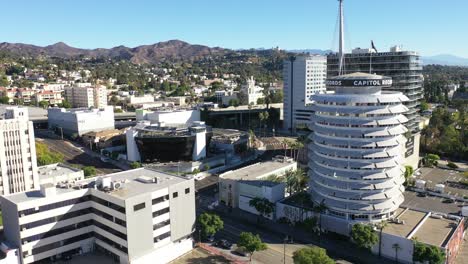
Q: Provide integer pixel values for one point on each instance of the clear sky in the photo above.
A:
(428, 26)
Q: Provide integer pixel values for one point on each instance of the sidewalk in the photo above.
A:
(337, 246)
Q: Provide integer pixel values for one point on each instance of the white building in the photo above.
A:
(168, 116)
(18, 165)
(252, 92)
(80, 120)
(238, 187)
(52, 97)
(86, 96)
(138, 216)
(303, 77)
(58, 173)
(140, 99)
(357, 147)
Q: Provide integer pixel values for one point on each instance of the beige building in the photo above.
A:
(87, 96)
(17, 152)
(52, 97)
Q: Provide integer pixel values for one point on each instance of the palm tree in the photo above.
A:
(396, 247)
(381, 227)
(320, 208)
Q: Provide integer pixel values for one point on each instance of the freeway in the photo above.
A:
(72, 154)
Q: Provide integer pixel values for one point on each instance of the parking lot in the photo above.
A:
(449, 178)
(432, 203)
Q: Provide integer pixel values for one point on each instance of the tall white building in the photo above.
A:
(87, 96)
(17, 152)
(357, 148)
(303, 77)
(137, 216)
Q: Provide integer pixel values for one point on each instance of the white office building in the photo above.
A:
(86, 96)
(17, 152)
(138, 216)
(168, 116)
(80, 121)
(356, 154)
(303, 77)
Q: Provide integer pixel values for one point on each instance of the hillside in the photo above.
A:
(169, 50)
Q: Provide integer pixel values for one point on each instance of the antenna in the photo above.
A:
(341, 49)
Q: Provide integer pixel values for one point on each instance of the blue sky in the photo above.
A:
(428, 26)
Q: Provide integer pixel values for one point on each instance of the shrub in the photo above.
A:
(452, 165)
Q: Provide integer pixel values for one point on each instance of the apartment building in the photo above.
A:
(303, 77)
(80, 121)
(136, 216)
(17, 152)
(52, 97)
(87, 96)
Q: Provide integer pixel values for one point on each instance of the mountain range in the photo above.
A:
(169, 50)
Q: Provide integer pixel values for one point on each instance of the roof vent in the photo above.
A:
(146, 179)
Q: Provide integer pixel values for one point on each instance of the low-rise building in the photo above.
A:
(169, 116)
(58, 173)
(79, 121)
(52, 97)
(177, 100)
(137, 216)
(104, 139)
(238, 187)
(134, 100)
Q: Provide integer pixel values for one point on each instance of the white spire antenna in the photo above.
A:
(341, 50)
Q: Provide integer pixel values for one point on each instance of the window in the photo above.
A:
(138, 207)
(187, 190)
(175, 194)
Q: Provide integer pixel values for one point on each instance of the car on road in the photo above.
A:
(223, 243)
(449, 200)
(422, 194)
(241, 252)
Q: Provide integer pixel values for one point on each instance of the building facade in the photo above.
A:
(303, 77)
(136, 216)
(80, 120)
(87, 96)
(356, 154)
(17, 152)
(405, 69)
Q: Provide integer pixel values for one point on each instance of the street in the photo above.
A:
(73, 155)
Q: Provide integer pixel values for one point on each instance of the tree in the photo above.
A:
(251, 243)
(431, 160)
(312, 255)
(44, 104)
(89, 171)
(408, 173)
(320, 209)
(263, 206)
(234, 102)
(428, 253)
(4, 80)
(424, 106)
(66, 104)
(260, 101)
(381, 227)
(4, 100)
(135, 165)
(45, 156)
(263, 116)
(209, 224)
(364, 235)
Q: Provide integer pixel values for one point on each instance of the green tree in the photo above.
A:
(251, 243)
(4, 100)
(209, 224)
(364, 235)
(66, 104)
(4, 81)
(89, 171)
(431, 160)
(381, 227)
(135, 165)
(45, 156)
(428, 253)
(312, 255)
(424, 106)
(264, 116)
(44, 104)
(234, 102)
(408, 173)
(263, 206)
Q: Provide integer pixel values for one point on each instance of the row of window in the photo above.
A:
(161, 224)
(58, 244)
(71, 202)
(161, 212)
(161, 237)
(57, 231)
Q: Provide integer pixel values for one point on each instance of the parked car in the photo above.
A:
(449, 200)
(223, 243)
(422, 194)
(241, 251)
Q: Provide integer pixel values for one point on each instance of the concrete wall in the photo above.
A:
(405, 254)
(182, 209)
(81, 122)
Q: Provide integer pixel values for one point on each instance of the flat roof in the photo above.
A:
(132, 186)
(436, 231)
(55, 170)
(256, 170)
(410, 218)
(432, 231)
